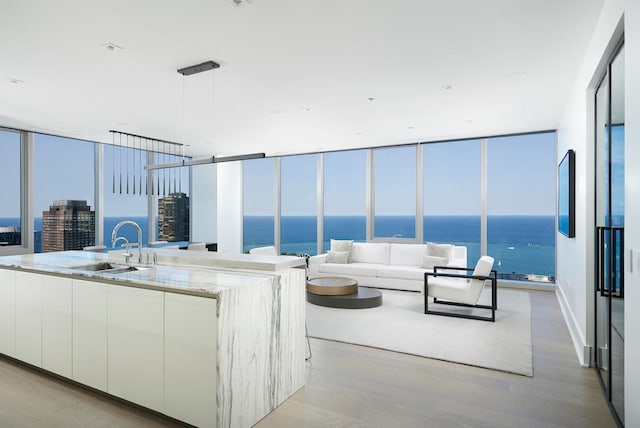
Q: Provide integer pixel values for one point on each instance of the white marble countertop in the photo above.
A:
(220, 260)
(177, 271)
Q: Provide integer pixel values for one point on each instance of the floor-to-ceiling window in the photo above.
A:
(258, 203)
(298, 224)
(452, 199)
(345, 205)
(521, 205)
(512, 179)
(395, 192)
(63, 193)
(10, 225)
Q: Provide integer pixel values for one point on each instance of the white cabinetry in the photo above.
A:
(136, 341)
(90, 333)
(8, 312)
(56, 324)
(191, 327)
(29, 318)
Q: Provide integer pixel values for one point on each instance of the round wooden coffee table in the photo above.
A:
(332, 286)
(336, 292)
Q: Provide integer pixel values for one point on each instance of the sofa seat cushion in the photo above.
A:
(413, 273)
(406, 254)
(370, 253)
(358, 269)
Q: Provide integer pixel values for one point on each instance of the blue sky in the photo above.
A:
(63, 169)
(521, 178)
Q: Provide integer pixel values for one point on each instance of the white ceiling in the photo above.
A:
(296, 75)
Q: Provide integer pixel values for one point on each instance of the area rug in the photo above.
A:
(400, 325)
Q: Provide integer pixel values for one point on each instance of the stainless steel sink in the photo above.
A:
(106, 267)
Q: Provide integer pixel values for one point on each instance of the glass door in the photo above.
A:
(609, 290)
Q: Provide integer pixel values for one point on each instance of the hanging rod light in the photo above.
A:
(205, 161)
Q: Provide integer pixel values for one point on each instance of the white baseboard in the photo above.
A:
(583, 351)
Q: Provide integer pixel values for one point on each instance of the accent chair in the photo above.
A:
(448, 286)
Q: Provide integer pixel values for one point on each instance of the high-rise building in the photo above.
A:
(173, 217)
(68, 225)
(9, 235)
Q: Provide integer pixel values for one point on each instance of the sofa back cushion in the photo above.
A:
(406, 254)
(368, 252)
(459, 256)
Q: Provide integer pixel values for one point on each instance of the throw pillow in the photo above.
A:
(428, 262)
(341, 257)
(440, 250)
(342, 245)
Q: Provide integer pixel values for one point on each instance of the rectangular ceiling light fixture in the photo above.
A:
(199, 68)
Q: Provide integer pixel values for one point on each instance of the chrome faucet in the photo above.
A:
(115, 232)
(127, 246)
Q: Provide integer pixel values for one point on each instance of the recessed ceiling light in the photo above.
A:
(112, 47)
(447, 87)
(516, 75)
(371, 98)
(409, 127)
(468, 121)
(15, 81)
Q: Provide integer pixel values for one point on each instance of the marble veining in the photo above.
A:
(260, 329)
(261, 361)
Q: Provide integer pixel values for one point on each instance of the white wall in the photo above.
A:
(632, 211)
(204, 191)
(230, 207)
(575, 256)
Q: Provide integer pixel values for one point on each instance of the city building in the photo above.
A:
(173, 217)
(68, 225)
(9, 235)
(300, 78)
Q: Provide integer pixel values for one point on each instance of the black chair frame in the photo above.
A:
(493, 277)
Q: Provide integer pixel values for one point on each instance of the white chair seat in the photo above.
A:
(451, 289)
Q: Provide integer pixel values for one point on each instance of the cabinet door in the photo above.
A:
(29, 318)
(191, 328)
(136, 337)
(8, 312)
(90, 333)
(56, 324)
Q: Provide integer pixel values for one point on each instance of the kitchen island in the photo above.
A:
(200, 337)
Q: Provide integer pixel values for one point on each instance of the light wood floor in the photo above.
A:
(354, 386)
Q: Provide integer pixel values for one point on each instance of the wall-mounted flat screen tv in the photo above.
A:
(566, 195)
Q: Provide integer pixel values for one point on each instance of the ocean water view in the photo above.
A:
(523, 245)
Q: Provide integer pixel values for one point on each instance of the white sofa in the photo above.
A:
(384, 265)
